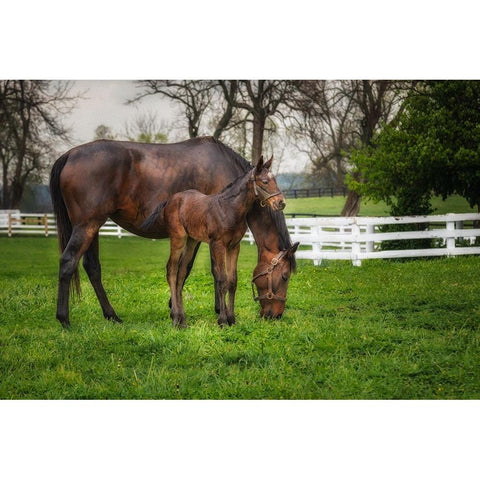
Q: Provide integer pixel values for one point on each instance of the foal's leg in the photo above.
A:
(217, 295)
(232, 258)
(189, 269)
(217, 252)
(177, 247)
(82, 236)
(91, 263)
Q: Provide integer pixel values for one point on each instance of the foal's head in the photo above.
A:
(265, 186)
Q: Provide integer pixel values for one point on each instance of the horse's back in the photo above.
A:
(126, 180)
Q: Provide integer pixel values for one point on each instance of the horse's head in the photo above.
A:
(271, 277)
(265, 185)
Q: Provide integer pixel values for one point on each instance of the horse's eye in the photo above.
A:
(264, 182)
(284, 277)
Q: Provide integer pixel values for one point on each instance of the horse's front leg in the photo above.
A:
(177, 246)
(218, 253)
(232, 258)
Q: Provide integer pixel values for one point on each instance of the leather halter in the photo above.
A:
(269, 273)
(262, 194)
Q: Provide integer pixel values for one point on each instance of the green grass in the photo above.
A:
(334, 205)
(386, 330)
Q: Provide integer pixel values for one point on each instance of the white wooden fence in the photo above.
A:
(358, 238)
(333, 238)
(13, 222)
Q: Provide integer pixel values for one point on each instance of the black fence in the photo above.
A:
(315, 192)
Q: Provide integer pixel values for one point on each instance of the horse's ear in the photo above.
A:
(268, 165)
(260, 164)
(291, 251)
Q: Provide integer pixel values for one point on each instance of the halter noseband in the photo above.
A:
(262, 194)
(269, 273)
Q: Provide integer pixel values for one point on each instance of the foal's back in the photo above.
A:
(202, 217)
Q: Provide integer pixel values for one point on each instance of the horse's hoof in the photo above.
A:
(231, 321)
(65, 323)
(222, 322)
(114, 318)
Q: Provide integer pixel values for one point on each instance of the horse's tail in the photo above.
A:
(153, 217)
(64, 225)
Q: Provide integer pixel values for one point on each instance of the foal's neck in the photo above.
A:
(239, 196)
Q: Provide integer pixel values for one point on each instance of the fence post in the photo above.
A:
(356, 246)
(316, 246)
(9, 224)
(45, 222)
(119, 231)
(370, 244)
(450, 240)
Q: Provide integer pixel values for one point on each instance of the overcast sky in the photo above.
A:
(104, 102)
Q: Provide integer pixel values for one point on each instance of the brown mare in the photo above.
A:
(125, 181)
(192, 217)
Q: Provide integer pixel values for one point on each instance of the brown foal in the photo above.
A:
(219, 220)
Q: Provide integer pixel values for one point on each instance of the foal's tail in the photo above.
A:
(148, 224)
(64, 225)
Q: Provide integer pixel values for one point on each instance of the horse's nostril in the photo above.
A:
(281, 205)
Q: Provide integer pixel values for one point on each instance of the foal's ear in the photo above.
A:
(259, 166)
(268, 165)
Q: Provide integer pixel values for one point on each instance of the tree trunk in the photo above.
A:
(17, 188)
(257, 140)
(352, 203)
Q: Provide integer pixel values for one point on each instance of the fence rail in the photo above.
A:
(315, 192)
(332, 238)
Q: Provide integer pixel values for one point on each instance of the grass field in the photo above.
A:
(386, 330)
(334, 205)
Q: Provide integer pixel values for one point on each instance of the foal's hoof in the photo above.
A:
(231, 321)
(179, 324)
(178, 321)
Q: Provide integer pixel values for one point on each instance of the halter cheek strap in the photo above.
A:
(270, 295)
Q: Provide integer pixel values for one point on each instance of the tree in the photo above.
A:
(324, 128)
(146, 128)
(104, 132)
(220, 106)
(433, 147)
(262, 100)
(30, 126)
(377, 104)
(194, 96)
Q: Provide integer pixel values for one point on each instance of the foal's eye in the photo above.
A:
(284, 277)
(264, 181)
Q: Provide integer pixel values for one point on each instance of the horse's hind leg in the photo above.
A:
(91, 263)
(79, 242)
